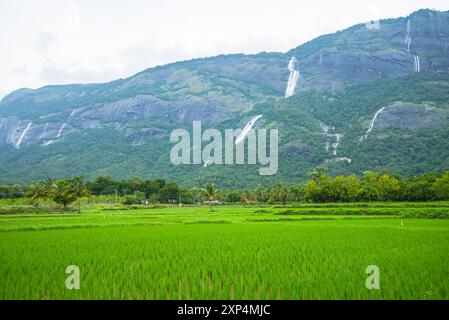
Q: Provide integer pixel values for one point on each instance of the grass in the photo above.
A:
(235, 252)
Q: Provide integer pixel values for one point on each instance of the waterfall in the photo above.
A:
(408, 42)
(247, 129)
(342, 159)
(44, 132)
(61, 129)
(73, 113)
(336, 137)
(337, 143)
(293, 78)
(417, 64)
(22, 135)
(371, 127)
(47, 143)
(408, 38)
(334, 140)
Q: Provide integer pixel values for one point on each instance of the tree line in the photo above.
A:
(372, 186)
(320, 188)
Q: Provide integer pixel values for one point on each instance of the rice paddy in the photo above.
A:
(295, 252)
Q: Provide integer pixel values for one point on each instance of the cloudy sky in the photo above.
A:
(70, 41)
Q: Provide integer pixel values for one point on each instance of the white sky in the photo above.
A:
(66, 41)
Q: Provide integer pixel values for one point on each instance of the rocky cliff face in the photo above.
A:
(398, 47)
(411, 116)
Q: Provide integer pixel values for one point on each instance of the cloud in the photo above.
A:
(21, 70)
(139, 57)
(77, 73)
(44, 41)
(73, 19)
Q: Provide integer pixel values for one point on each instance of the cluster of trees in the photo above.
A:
(137, 190)
(62, 192)
(372, 186)
(321, 187)
(133, 191)
(7, 192)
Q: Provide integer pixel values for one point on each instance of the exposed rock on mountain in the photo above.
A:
(411, 116)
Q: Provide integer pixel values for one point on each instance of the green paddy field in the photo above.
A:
(235, 252)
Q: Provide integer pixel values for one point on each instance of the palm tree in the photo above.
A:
(78, 189)
(62, 193)
(279, 193)
(35, 192)
(210, 193)
(317, 174)
(249, 197)
(49, 189)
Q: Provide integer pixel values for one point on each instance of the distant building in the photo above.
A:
(213, 202)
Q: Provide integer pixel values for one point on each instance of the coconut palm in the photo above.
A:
(317, 174)
(49, 189)
(35, 192)
(210, 193)
(78, 189)
(62, 193)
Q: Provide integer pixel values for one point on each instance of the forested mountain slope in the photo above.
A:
(363, 98)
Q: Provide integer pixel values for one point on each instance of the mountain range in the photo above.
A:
(372, 97)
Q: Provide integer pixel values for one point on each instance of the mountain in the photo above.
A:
(368, 97)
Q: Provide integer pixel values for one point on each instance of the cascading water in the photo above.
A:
(73, 113)
(47, 143)
(337, 143)
(44, 132)
(408, 42)
(23, 135)
(61, 130)
(417, 64)
(334, 140)
(408, 37)
(373, 121)
(293, 78)
(342, 159)
(247, 129)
